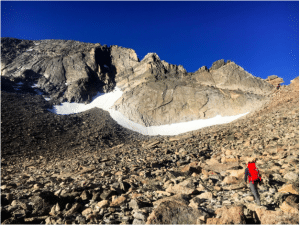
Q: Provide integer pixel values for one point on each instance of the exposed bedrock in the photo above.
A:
(158, 103)
(155, 92)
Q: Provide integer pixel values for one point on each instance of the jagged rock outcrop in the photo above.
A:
(155, 92)
(274, 80)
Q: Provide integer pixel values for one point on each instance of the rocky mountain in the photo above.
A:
(86, 169)
(155, 92)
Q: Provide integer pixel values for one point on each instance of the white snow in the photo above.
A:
(106, 101)
(103, 101)
(29, 50)
(38, 91)
(105, 66)
(35, 86)
(19, 84)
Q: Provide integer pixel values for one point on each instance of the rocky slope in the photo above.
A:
(155, 92)
(121, 177)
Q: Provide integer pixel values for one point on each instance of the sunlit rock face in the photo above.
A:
(154, 91)
(157, 93)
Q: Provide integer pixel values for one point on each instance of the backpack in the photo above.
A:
(254, 173)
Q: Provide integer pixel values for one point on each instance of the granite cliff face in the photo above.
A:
(155, 92)
(158, 93)
(65, 70)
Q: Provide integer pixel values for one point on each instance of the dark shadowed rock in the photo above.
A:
(170, 212)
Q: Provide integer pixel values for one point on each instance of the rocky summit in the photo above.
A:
(155, 92)
(87, 169)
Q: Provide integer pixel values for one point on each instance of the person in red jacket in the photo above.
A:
(254, 177)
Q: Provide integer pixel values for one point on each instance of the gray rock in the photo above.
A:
(107, 194)
(140, 215)
(272, 77)
(217, 64)
(138, 221)
(171, 212)
(137, 204)
(156, 92)
(291, 176)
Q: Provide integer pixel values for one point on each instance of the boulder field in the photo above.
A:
(85, 168)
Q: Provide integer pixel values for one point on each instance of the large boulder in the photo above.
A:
(175, 210)
(274, 217)
(228, 215)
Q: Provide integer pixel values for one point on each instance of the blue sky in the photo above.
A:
(261, 37)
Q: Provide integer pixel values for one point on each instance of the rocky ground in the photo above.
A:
(85, 169)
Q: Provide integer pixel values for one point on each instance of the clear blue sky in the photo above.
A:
(262, 37)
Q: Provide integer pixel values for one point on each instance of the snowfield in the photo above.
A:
(106, 101)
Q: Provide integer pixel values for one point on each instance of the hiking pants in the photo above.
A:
(254, 190)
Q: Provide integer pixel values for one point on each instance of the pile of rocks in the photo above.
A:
(192, 178)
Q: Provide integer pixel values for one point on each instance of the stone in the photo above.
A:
(107, 194)
(288, 208)
(249, 198)
(87, 212)
(137, 204)
(171, 212)
(118, 201)
(272, 77)
(193, 167)
(217, 64)
(103, 204)
(230, 180)
(184, 187)
(228, 215)
(85, 195)
(274, 217)
(74, 209)
(57, 207)
(138, 221)
(195, 202)
(205, 195)
(140, 215)
(289, 188)
(201, 219)
(239, 174)
(291, 176)
(37, 186)
(163, 193)
(180, 198)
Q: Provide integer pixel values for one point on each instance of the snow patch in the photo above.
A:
(106, 101)
(29, 50)
(35, 86)
(19, 84)
(39, 92)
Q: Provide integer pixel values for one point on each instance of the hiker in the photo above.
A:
(254, 178)
(278, 86)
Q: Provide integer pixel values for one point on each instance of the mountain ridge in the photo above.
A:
(73, 71)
